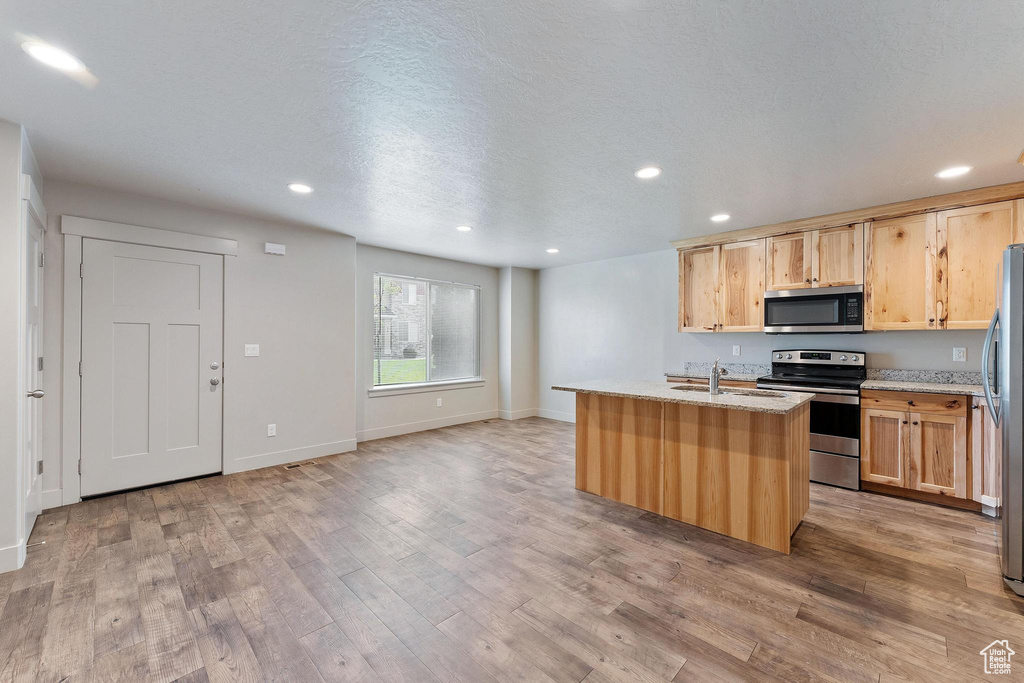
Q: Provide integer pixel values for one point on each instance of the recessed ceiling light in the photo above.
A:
(648, 172)
(463, 228)
(300, 188)
(720, 217)
(52, 56)
(953, 172)
(552, 250)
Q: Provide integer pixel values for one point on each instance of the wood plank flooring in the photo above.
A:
(466, 554)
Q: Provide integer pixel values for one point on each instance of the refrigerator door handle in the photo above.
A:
(986, 353)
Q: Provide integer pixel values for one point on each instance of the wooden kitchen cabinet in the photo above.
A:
(938, 454)
(788, 259)
(899, 274)
(829, 257)
(986, 456)
(698, 289)
(971, 241)
(741, 287)
(938, 270)
(704, 381)
(916, 442)
(883, 443)
(721, 288)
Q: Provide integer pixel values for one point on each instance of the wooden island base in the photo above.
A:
(737, 472)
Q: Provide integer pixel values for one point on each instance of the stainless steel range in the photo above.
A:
(834, 378)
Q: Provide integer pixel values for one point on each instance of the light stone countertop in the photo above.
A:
(923, 387)
(753, 400)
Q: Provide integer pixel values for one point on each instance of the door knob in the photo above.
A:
(214, 381)
(38, 393)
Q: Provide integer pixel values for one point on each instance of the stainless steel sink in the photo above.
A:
(763, 393)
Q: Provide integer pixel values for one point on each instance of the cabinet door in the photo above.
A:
(789, 261)
(986, 453)
(837, 256)
(698, 289)
(938, 454)
(884, 440)
(974, 238)
(899, 278)
(741, 287)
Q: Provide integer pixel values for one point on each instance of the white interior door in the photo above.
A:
(31, 364)
(152, 328)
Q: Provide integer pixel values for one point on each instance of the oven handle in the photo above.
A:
(820, 394)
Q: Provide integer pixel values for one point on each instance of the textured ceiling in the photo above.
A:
(525, 120)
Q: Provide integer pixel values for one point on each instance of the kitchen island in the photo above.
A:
(735, 463)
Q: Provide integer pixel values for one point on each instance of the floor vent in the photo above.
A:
(293, 466)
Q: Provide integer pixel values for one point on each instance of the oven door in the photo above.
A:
(829, 309)
(835, 434)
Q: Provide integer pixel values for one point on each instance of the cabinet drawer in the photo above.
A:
(935, 404)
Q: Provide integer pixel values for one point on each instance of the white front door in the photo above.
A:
(152, 328)
(31, 363)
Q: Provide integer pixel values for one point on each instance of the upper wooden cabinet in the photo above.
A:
(971, 241)
(698, 289)
(829, 257)
(899, 290)
(741, 287)
(721, 288)
(938, 270)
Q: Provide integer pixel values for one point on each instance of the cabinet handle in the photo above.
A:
(910, 403)
(904, 422)
(815, 279)
(915, 422)
(931, 321)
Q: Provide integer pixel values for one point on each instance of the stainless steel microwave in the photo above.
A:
(808, 311)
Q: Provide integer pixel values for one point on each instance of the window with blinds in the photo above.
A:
(424, 331)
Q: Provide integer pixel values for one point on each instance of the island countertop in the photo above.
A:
(752, 400)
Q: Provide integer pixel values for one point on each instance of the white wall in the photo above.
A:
(11, 549)
(299, 308)
(517, 332)
(388, 415)
(617, 319)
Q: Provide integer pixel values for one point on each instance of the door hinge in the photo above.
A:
(40, 259)
(39, 467)
(81, 270)
(40, 363)
(79, 466)
(79, 368)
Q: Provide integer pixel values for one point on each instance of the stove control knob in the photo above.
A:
(855, 358)
(842, 357)
(789, 356)
(779, 356)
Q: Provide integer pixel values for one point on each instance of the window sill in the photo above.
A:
(422, 387)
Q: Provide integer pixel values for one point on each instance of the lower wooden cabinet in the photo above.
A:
(922, 448)
(986, 446)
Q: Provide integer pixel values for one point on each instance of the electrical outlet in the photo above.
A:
(438, 403)
(271, 430)
(252, 350)
(735, 349)
(959, 354)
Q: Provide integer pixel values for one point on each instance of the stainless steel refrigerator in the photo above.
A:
(1005, 383)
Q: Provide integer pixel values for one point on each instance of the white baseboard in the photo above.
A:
(255, 462)
(423, 425)
(517, 414)
(12, 557)
(54, 498)
(557, 415)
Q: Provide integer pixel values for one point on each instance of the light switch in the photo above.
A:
(271, 430)
(735, 349)
(438, 403)
(252, 350)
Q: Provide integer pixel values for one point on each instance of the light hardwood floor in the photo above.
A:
(465, 554)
